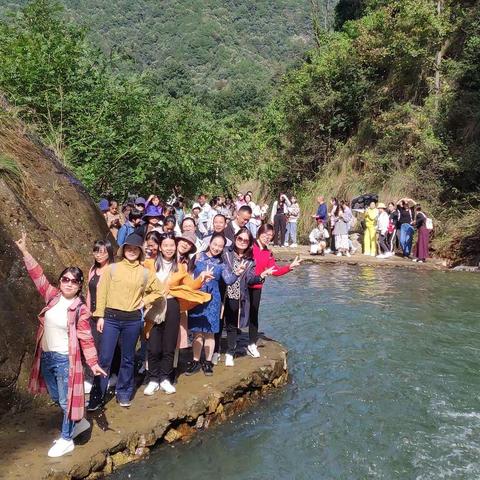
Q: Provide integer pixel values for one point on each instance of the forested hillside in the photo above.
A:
(388, 103)
(225, 53)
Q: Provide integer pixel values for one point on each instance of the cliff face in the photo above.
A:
(61, 221)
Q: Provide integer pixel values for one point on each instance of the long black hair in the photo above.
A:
(248, 253)
(159, 260)
(218, 235)
(98, 245)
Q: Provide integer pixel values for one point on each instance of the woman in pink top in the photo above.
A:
(264, 260)
(63, 334)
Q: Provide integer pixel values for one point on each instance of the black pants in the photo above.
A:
(97, 339)
(383, 244)
(223, 289)
(231, 321)
(392, 240)
(255, 296)
(162, 343)
(280, 227)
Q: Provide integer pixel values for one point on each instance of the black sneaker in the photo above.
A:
(94, 405)
(193, 367)
(207, 368)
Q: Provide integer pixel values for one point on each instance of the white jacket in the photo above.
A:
(317, 236)
(382, 223)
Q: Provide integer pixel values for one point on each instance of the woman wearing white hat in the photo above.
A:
(382, 228)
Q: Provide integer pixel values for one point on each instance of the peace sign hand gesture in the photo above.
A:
(268, 271)
(296, 262)
(22, 243)
(207, 275)
(241, 268)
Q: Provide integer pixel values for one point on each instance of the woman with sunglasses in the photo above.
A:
(124, 290)
(204, 320)
(182, 294)
(63, 335)
(237, 298)
(264, 260)
(102, 257)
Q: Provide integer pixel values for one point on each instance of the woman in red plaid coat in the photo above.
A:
(63, 333)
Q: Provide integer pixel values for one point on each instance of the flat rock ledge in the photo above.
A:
(120, 436)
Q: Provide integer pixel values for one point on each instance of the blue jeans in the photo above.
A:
(128, 332)
(54, 369)
(406, 238)
(291, 232)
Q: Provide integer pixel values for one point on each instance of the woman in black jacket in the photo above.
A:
(237, 298)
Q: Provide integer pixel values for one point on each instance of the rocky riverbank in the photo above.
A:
(287, 254)
(119, 435)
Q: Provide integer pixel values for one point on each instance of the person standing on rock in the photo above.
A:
(237, 297)
(204, 320)
(370, 235)
(124, 290)
(340, 231)
(423, 237)
(63, 335)
(279, 219)
(264, 260)
(182, 294)
(382, 228)
(405, 221)
(293, 212)
(103, 256)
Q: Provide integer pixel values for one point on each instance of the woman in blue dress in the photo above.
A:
(204, 320)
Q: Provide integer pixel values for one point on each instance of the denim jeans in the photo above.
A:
(291, 232)
(406, 238)
(128, 332)
(54, 369)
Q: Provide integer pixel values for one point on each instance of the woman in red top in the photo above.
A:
(264, 260)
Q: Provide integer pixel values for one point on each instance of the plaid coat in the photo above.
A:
(79, 335)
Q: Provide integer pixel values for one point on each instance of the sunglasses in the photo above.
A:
(66, 280)
(243, 239)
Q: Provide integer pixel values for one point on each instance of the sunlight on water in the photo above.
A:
(385, 379)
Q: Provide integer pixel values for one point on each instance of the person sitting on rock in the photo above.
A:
(318, 238)
(63, 335)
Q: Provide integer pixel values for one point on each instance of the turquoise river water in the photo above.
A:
(385, 383)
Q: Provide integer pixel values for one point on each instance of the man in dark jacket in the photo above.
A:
(243, 216)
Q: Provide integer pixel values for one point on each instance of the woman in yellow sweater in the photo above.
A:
(370, 236)
(125, 288)
(182, 294)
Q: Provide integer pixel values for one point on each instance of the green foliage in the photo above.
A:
(210, 49)
(111, 128)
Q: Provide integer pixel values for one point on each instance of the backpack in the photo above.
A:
(428, 222)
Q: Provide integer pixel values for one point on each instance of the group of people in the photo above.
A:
(176, 280)
(386, 229)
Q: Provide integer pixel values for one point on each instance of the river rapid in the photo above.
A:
(384, 384)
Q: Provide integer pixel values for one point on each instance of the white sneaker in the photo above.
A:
(328, 250)
(285, 244)
(293, 245)
(381, 256)
(82, 426)
(339, 254)
(348, 254)
(167, 387)
(112, 381)
(87, 386)
(229, 362)
(252, 350)
(61, 447)
(372, 254)
(216, 358)
(151, 388)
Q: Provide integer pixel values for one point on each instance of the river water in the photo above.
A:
(385, 367)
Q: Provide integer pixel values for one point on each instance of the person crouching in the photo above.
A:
(318, 238)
